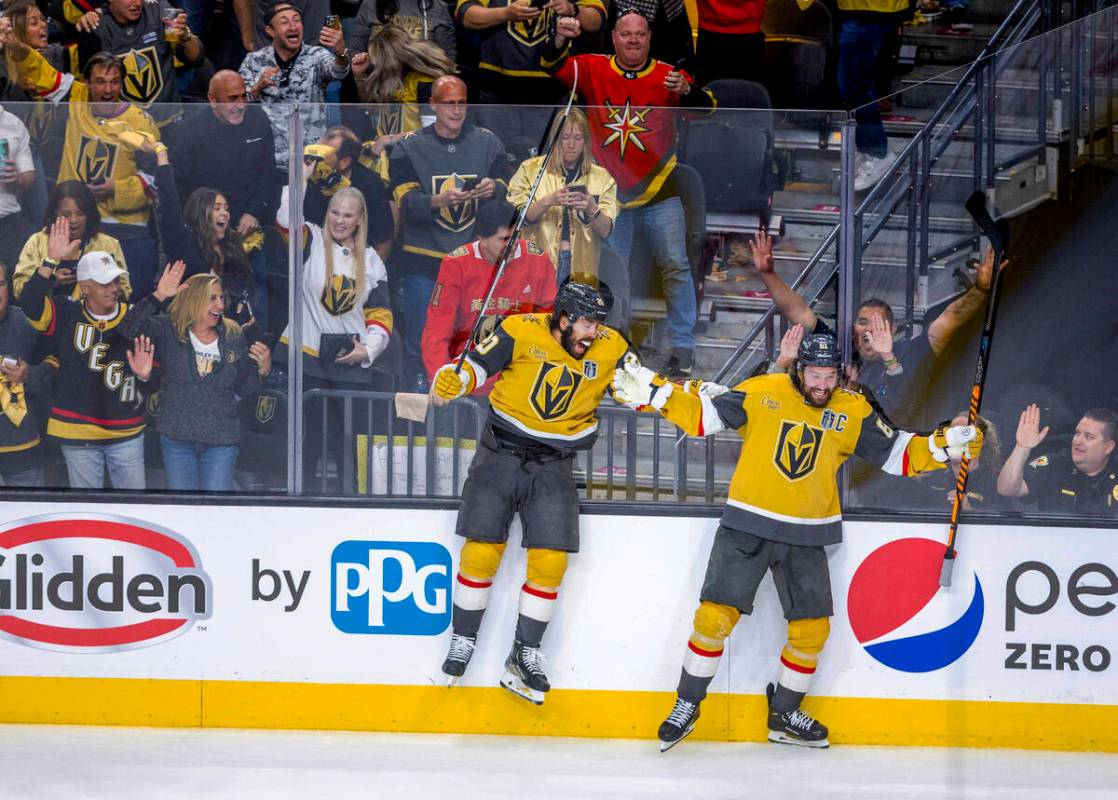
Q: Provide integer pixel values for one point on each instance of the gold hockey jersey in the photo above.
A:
(784, 486)
(543, 392)
(93, 150)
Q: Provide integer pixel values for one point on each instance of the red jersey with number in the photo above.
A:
(526, 286)
(631, 120)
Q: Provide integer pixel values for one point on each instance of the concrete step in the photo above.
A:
(936, 43)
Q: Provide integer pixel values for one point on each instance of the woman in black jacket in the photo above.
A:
(207, 363)
(200, 236)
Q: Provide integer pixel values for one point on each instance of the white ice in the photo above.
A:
(89, 763)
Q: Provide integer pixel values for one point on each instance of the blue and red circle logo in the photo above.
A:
(896, 608)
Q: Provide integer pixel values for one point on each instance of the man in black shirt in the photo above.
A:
(1082, 483)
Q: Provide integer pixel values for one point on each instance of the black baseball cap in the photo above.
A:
(278, 6)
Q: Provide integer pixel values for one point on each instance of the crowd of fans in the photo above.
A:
(144, 201)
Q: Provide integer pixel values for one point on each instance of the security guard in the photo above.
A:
(1084, 482)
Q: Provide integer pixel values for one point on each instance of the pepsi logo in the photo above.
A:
(97, 583)
(900, 616)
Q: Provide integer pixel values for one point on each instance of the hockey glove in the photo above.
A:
(324, 175)
(449, 383)
(704, 388)
(638, 387)
(952, 442)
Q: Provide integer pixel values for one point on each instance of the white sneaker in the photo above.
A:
(871, 170)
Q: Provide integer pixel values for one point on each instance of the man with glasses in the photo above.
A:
(437, 175)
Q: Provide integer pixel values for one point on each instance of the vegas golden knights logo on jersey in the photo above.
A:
(460, 216)
(339, 295)
(96, 160)
(797, 449)
(554, 390)
(530, 32)
(143, 78)
(265, 408)
(390, 118)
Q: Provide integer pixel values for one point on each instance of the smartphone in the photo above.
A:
(538, 3)
(334, 21)
(577, 187)
(8, 361)
(470, 184)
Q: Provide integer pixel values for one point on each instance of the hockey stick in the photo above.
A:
(506, 253)
(997, 233)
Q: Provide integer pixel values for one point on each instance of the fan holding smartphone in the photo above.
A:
(575, 206)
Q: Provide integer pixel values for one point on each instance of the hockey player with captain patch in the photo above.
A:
(783, 508)
(554, 369)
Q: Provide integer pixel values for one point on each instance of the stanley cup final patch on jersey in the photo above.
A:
(797, 449)
(554, 390)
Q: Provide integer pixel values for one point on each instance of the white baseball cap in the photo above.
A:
(100, 267)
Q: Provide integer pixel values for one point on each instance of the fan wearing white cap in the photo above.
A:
(98, 411)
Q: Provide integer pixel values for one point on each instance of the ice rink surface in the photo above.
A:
(89, 763)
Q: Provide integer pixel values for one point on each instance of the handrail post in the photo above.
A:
(850, 259)
(295, 304)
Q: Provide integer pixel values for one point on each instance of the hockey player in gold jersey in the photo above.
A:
(554, 369)
(783, 507)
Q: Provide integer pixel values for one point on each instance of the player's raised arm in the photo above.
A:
(698, 408)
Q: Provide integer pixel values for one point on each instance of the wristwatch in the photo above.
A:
(342, 56)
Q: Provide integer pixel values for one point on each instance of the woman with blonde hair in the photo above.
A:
(576, 203)
(207, 364)
(397, 73)
(347, 323)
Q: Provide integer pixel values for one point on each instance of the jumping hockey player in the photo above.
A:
(783, 508)
(554, 369)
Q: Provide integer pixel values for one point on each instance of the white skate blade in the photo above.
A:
(517, 687)
(451, 680)
(784, 738)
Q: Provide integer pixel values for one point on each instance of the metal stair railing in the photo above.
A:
(951, 115)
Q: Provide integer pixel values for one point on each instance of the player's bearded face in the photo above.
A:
(577, 337)
(819, 384)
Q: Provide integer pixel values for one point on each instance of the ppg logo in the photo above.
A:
(390, 587)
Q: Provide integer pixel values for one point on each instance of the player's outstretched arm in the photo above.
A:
(697, 408)
(909, 454)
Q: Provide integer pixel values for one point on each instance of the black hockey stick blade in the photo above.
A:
(996, 232)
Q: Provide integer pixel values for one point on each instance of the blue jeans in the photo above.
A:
(412, 296)
(665, 229)
(193, 466)
(30, 478)
(859, 44)
(86, 464)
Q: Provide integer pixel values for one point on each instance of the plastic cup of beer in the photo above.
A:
(170, 29)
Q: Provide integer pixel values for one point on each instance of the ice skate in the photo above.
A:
(795, 727)
(458, 657)
(524, 674)
(678, 724)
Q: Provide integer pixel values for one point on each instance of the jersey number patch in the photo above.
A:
(797, 449)
(554, 390)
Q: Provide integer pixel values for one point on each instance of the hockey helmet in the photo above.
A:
(582, 300)
(819, 350)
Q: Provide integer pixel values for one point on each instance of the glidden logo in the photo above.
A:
(891, 608)
(97, 583)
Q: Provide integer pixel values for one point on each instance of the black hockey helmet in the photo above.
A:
(819, 350)
(582, 300)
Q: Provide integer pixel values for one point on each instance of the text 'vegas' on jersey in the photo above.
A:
(390, 588)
